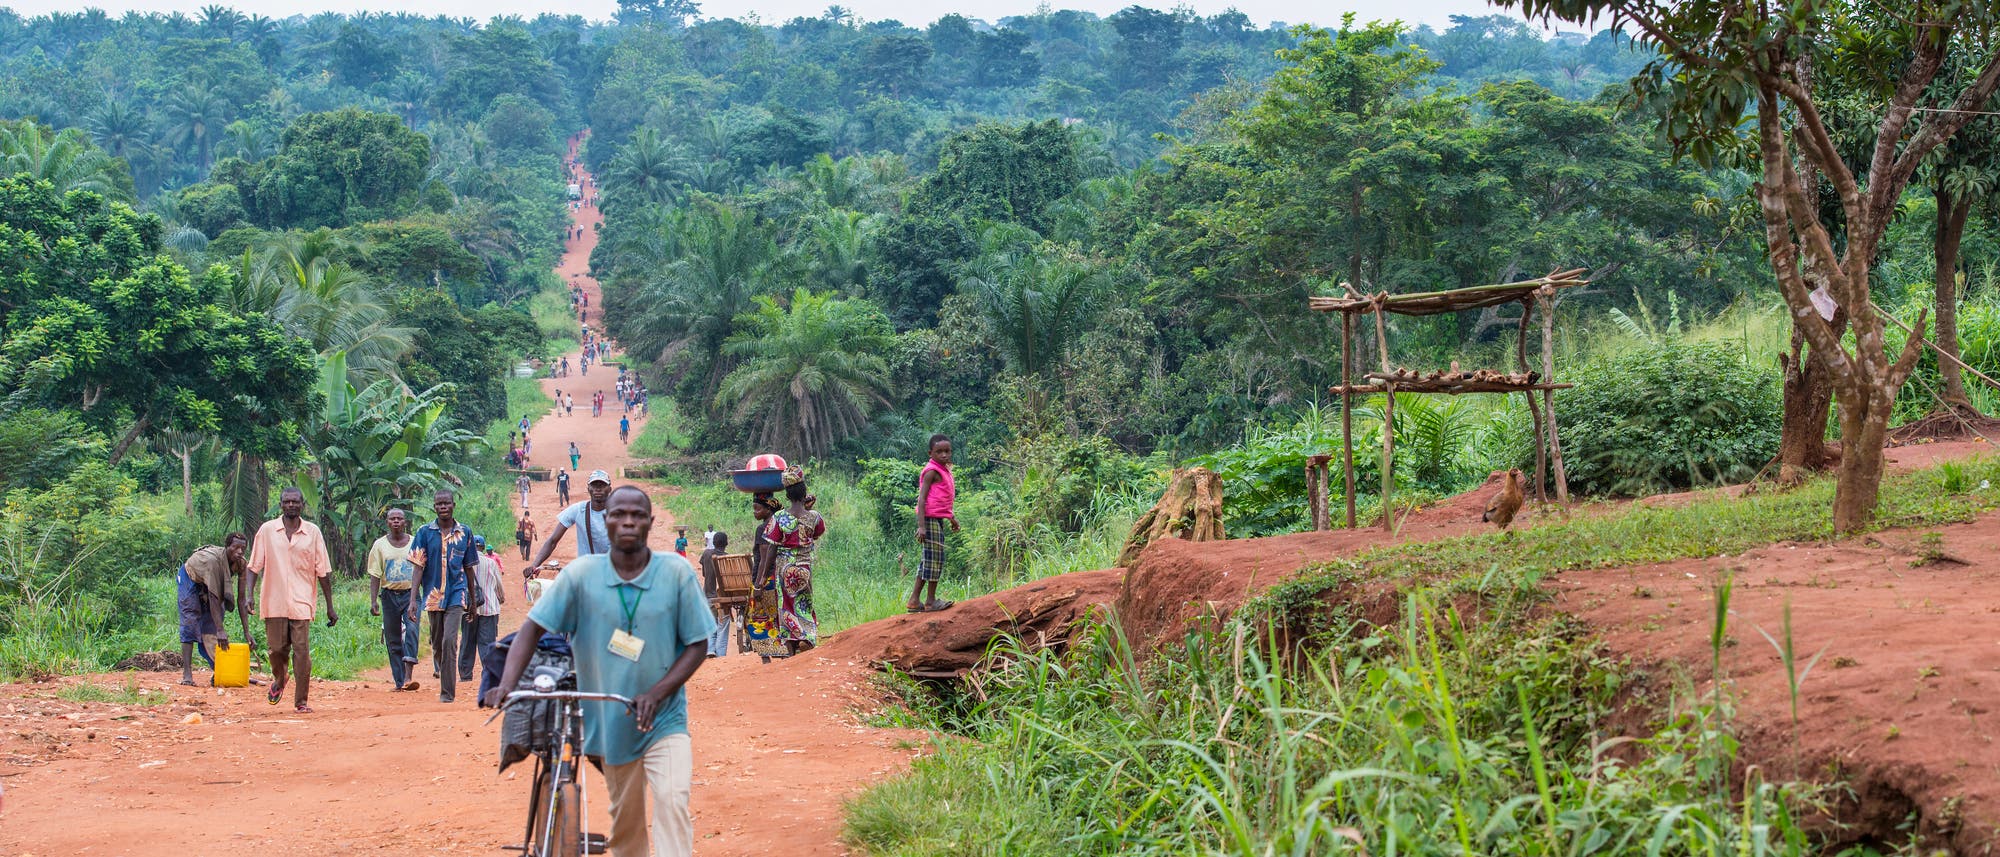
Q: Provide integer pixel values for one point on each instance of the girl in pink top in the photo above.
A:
(935, 492)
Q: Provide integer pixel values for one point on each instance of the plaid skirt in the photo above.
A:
(931, 566)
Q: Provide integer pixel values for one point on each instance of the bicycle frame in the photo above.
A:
(564, 764)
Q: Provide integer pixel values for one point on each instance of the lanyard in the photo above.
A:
(632, 608)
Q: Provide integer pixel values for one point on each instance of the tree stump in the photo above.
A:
(1316, 492)
(1191, 509)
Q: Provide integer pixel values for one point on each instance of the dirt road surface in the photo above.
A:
(777, 747)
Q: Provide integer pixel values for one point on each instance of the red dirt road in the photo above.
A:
(777, 747)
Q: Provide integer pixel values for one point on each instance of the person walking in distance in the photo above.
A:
(935, 493)
(203, 588)
(288, 559)
(625, 430)
(482, 621)
(575, 455)
(445, 557)
(569, 405)
(390, 576)
(639, 626)
(587, 517)
(524, 534)
(562, 495)
(524, 484)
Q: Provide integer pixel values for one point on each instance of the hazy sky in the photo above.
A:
(914, 12)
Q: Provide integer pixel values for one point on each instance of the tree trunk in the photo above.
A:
(1864, 428)
(1808, 400)
(125, 443)
(187, 481)
(1951, 216)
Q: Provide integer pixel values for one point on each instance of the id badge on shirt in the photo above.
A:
(626, 645)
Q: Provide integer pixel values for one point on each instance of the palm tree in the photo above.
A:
(648, 169)
(121, 130)
(839, 242)
(221, 20)
(812, 373)
(1036, 304)
(723, 265)
(251, 141)
(195, 116)
(66, 159)
(295, 281)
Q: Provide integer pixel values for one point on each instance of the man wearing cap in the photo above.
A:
(588, 517)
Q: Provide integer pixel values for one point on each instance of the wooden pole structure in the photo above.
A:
(1316, 487)
(1347, 410)
(1534, 410)
(1549, 396)
(1388, 420)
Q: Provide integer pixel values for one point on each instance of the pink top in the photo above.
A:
(937, 504)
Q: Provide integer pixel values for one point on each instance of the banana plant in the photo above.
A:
(373, 448)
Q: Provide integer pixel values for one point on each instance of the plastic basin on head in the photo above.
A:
(758, 481)
(232, 665)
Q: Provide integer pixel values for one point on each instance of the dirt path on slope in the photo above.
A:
(777, 747)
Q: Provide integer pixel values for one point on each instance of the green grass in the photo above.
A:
(127, 694)
(1436, 734)
(665, 433)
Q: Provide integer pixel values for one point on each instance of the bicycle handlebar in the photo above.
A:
(578, 695)
(631, 707)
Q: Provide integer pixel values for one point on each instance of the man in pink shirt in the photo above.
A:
(288, 560)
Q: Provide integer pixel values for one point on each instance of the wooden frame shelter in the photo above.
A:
(1535, 297)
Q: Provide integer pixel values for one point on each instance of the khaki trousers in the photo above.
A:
(667, 770)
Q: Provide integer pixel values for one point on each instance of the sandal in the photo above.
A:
(302, 708)
(935, 606)
(272, 696)
(913, 608)
(188, 681)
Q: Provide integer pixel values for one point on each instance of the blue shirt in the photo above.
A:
(587, 602)
(447, 559)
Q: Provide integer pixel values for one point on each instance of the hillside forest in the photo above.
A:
(239, 253)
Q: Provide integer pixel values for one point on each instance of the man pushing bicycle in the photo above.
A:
(639, 625)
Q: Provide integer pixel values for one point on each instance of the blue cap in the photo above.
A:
(479, 541)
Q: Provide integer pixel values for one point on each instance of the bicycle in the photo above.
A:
(557, 807)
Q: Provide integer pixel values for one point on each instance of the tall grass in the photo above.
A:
(1473, 724)
(1433, 736)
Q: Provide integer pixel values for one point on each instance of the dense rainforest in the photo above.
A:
(1081, 245)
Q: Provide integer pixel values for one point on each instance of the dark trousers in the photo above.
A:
(399, 634)
(479, 634)
(444, 649)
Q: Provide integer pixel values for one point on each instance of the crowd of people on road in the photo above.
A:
(639, 622)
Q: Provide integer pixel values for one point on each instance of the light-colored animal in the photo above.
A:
(1506, 502)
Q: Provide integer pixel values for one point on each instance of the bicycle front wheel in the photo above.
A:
(561, 831)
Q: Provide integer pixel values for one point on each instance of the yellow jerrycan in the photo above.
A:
(232, 665)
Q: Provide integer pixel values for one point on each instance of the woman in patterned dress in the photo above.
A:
(793, 531)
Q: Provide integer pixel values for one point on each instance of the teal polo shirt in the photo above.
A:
(587, 602)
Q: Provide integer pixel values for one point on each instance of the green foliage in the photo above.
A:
(40, 447)
(335, 168)
(465, 356)
(211, 208)
(73, 552)
(1669, 416)
(812, 372)
(374, 448)
(104, 322)
(891, 483)
(1438, 735)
